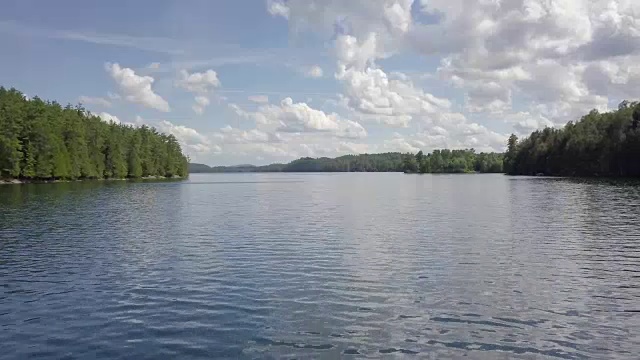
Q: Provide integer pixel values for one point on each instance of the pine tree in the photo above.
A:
(42, 140)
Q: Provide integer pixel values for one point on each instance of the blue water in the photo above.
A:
(260, 266)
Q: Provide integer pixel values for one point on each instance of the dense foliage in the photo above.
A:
(43, 140)
(600, 144)
(441, 161)
(454, 161)
(202, 168)
(386, 162)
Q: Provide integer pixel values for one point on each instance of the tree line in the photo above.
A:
(454, 161)
(41, 140)
(440, 161)
(385, 162)
(599, 144)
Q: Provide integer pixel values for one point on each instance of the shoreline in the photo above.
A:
(44, 181)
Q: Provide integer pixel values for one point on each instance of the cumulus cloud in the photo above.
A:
(487, 97)
(554, 59)
(201, 102)
(398, 143)
(106, 117)
(292, 117)
(277, 7)
(537, 48)
(200, 84)
(289, 130)
(98, 101)
(230, 135)
(136, 89)
(112, 119)
(190, 140)
(371, 92)
(256, 143)
(314, 71)
(527, 63)
(368, 31)
(525, 122)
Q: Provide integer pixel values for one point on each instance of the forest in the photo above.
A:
(440, 161)
(453, 161)
(41, 140)
(386, 162)
(599, 144)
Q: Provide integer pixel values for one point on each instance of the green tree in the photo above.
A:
(599, 144)
(11, 118)
(43, 140)
(410, 164)
(134, 161)
(510, 155)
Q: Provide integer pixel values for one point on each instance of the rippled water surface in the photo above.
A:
(321, 266)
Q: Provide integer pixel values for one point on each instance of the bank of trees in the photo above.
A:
(454, 161)
(44, 140)
(385, 162)
(440, 161)
(599, 144)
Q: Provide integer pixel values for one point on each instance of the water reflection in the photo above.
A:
(322, 266)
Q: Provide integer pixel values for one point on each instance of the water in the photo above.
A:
(321, 266)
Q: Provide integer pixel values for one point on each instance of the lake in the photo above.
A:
(255, 266)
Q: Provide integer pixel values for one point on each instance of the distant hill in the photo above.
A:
(195, 168)
(387, 162)
(198, 168)
(440, 161)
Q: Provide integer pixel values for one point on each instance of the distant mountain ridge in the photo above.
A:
(195, 168)
(439, 161)
(386, 162)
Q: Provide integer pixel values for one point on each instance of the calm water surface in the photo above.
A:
(245, 266)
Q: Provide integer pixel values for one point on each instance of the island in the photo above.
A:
(44, 141)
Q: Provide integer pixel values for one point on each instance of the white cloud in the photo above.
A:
(290, 130)
(98, 101)
(192, 142)
(277, 7)
(314, 71)
(512, 65)
(201, 103)
(525, 122)
(554, 60)
(230, 135)
(537, 48)
(399, 144)
(259, 99)
(135, 88)
(198, 82)
(112, 119)
(300, 117)
(290, 117)
(106, 117)
(139, 121)
(487, 97)
(374, 95)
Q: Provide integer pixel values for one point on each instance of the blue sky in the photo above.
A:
(263, 81)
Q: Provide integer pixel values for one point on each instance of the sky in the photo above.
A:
(263, 81)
